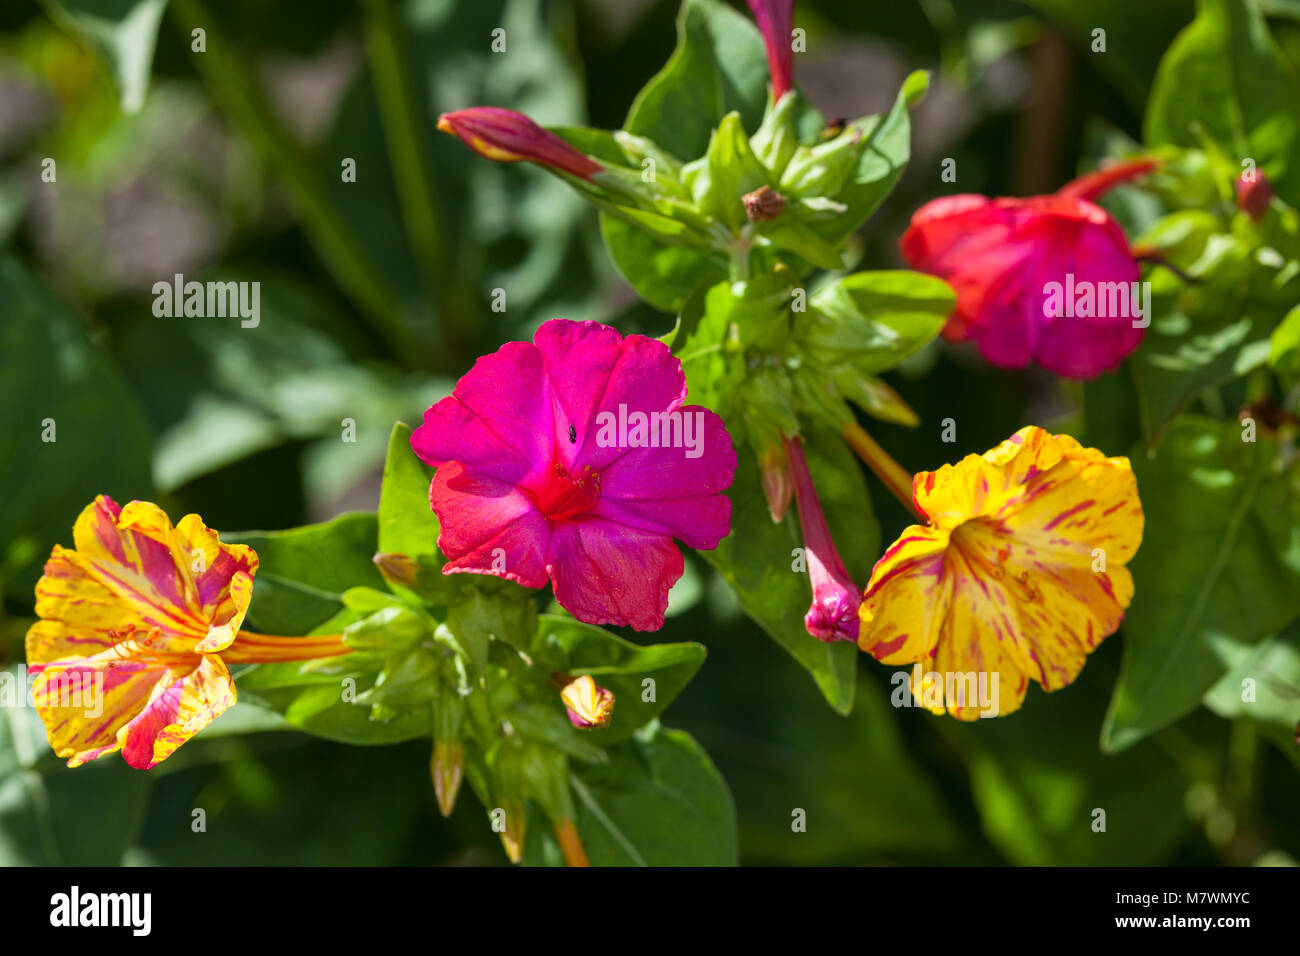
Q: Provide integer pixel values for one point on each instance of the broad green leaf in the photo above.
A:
(1037, 791)
(73, 428)
(874, 320)
(622, 667)
(658, 802)
(662, 274)
(302, 573)
(758, 558)
(124, 31)
(1219, 568)
(1224, 79)
(719, 66)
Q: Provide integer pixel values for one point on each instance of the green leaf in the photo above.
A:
(1037, 792)
(1219, 568)
(664, 275)
(320, 708)
(622, 667)
(124, 31)
(302, 573)
(729, 171)
(1224, 79)
(1284, 348)
(757, 558)
(1273, 669)
(860, 780)
(54, 384)
(1213, 331)
(873, 321)
(719, 66)
(408, 527)
(658, 802)
(407, 524)
(883, 151)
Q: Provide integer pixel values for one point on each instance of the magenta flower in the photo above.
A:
(572, 458)
(510, 137)
(1050, 279)
(833, 615)
(776, 23)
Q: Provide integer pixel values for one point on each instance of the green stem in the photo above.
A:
(893, 475)
(230, 81)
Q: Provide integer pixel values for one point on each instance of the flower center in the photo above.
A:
(986, 551)
(562, 495)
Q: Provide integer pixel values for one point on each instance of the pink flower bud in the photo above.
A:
(833, 615)
(509, 137)
(776, 22)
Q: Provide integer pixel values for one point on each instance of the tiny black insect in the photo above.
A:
(573, 435)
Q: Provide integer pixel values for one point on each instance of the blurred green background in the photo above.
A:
(377, 295)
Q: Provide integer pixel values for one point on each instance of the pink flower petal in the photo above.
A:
(665, 491)
(609, 573)
(498, 421)
(489, 526)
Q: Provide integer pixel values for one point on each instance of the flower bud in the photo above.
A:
(763, 204)
(833, 615)
(515, 824)
(588, 704)
(776, 22)
(397, 568)
(447, 769)
(778, 484)
(511, 137)
(448, 763)
(1254, 194)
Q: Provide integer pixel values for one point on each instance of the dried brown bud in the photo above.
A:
(763, 204)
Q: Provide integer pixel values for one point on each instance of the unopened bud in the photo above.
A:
(763, 204)
(589, 705)
(778, 483)
(515, 824)
(1254, 195)
(448, 769)
(509, 137)
(401, 569)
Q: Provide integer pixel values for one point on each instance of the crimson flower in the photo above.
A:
(572, 458)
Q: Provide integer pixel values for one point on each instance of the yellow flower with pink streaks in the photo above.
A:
(1020, 573)
(138, 624)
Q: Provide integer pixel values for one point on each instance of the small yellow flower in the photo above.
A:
(1018, 576)
(138, 624)
(589, 705)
